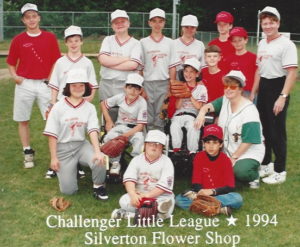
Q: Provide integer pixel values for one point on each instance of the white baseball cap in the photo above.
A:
(194, 62)
(73, 30)
(77, 75)
(156, 136)
(238, 75)
(270, 10)
(135, 78)
(189, 20)
(29, 6)
(157, 13)
(118, 13)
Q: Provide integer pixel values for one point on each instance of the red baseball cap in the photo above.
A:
(238, 31)
(224, 16)
(213, 130)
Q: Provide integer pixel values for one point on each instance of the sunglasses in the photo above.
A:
(232, 87)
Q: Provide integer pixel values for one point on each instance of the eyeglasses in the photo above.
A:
(232, 87)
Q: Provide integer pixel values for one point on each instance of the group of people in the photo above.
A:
(223, 78)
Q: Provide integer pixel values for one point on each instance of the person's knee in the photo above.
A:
(68, 190)
(238, 200)
(243, 173)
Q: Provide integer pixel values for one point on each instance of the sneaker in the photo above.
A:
(226, 210)
(50, 174)
(164, 206)
(28, 158)
(100, 193)
(254, 184)
(275, 178)
(115, 168)
(266, 170)
(121, 214)
(80, 173)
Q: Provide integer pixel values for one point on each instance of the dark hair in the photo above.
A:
(212, 48)
(133, 85)
(87, 91)
(268, 15)
(73, 36)
(212, 138)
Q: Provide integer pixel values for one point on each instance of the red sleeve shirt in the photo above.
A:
(33, 56)
(212, 174)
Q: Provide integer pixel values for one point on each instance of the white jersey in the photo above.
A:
(129, 113)
(111, 46)
(156, 56)
(242, 126)
(61, 68)
(149, 175)
(183, 51)
(274, 57)
(199, 93)
(69, 123)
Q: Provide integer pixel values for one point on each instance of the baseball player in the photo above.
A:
(132, 116)
(31, 57)
(187, 109)
(156, 52)
(68, 122)
(186, 46)
(74, 59)
(277, 71)
(224, 21)
(119, 54)
(149, 175)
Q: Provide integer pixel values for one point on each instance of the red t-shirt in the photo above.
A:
(213, 84)
(33, 56)
(245, 63)
(227, 49)
(212, 174)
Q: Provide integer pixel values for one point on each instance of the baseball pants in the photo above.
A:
(246, 170)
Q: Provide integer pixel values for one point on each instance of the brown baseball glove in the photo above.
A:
(59, 203)
(115, 147)
(147, 209)
(206, 205)
(179, 89)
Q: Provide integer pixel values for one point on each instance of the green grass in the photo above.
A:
(25, 195)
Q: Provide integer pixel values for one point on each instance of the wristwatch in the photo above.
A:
(283, 95)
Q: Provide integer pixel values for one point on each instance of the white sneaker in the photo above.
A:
(120, 213)
(275, 178)
(115, 168)
(266, 170)
(28, 158)
(164, 206)
(254, 184)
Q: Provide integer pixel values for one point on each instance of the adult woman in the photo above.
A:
(239, 118)
(66, 127)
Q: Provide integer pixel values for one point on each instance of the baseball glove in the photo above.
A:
(114, 147)
(146, 210)
(59, 203)
(206, 205)
(179, 89)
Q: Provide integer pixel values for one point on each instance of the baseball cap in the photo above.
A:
(157, 13)
(189, 20)
(213, 130)
(73, 30)
(238, 31)
(118, 13)
(194, 62)
(270, 10)
(238, 75)
(77, 75)
(224, 16)
(135, 78)
(156, 136)
(29, 6)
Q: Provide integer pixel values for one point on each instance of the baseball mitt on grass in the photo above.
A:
(115, 147)
(59, 203)
(206, 205)
(179, 89)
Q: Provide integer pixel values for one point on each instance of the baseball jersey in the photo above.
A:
(212, 174)
(129, 113)
(245, 63)
(63, 65)
(199, 93)
(148, 175)
(242, 126)
(227, 49)
(156, 58)
(34, 56)
(213, 83)
(111, 46)
(274, 57)
(70, 123)
(182, 51)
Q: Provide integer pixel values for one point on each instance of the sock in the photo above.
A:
(96, 186)
(26, 148)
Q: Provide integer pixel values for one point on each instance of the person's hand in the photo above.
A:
(252, 96)
(18, 79)
(109, 125)
(144, 94)
(135, 199)
(199, 121)
(279, 105)
(206, 192)
(54, 164)
(98, 158)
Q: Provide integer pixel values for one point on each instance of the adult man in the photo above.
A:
(277, 70)
(30, 60)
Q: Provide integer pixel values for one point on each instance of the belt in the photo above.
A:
(186, 113)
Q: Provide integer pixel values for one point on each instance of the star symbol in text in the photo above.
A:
(231, 221)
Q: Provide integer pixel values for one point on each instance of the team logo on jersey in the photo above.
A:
(170, 181)
(236, 136)
(145, 115)
(154, 60)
